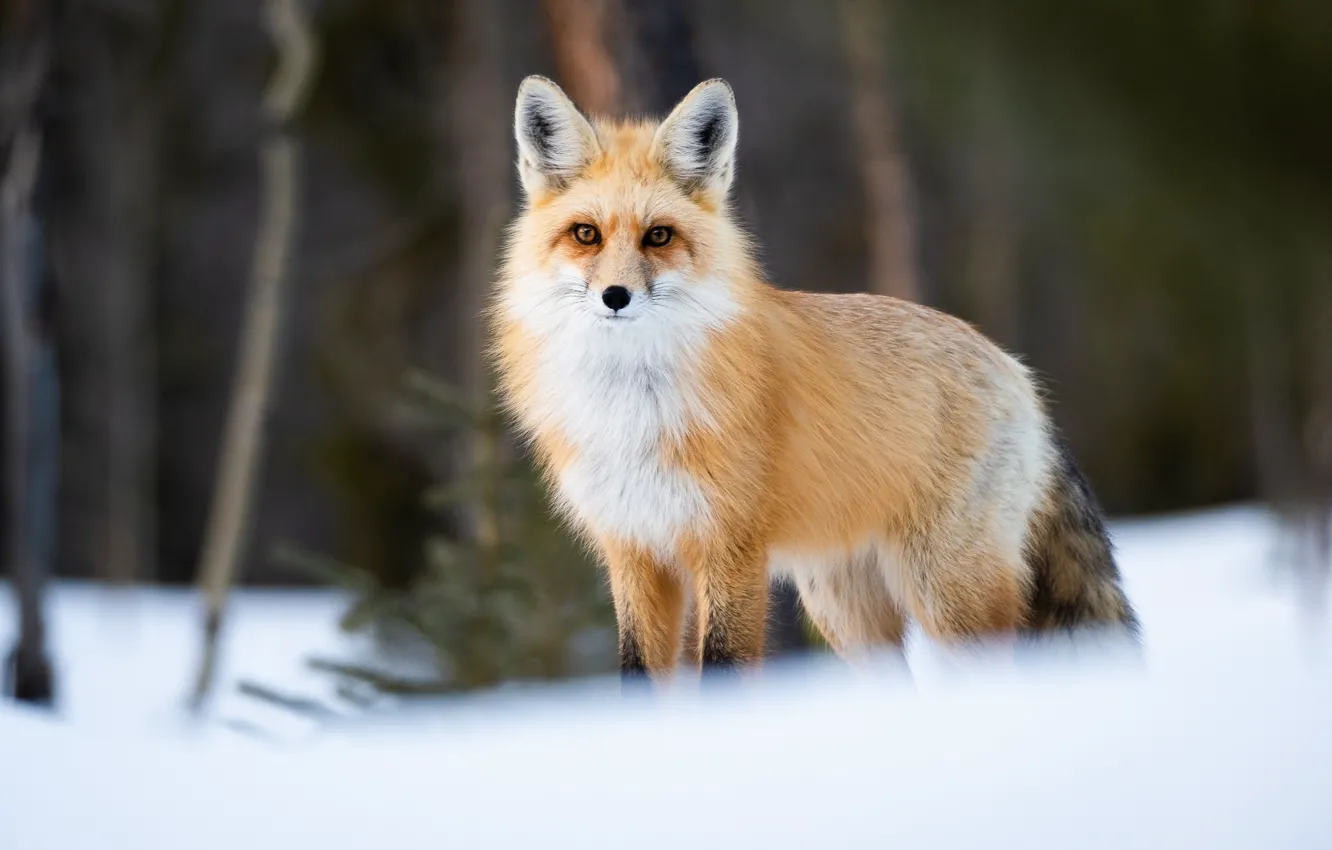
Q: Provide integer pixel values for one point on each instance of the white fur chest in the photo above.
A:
(618, 391)
(618, 397)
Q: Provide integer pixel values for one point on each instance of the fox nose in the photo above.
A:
(615, 297)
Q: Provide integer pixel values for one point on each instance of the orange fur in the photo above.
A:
(649, 604)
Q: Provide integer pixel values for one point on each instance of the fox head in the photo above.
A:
(626, 225)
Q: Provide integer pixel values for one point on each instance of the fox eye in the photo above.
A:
(586, 234)
(658, 236)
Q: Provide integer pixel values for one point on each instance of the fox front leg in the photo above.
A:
(731, 590)
(649, 613)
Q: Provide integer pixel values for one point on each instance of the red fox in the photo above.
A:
(707, 431)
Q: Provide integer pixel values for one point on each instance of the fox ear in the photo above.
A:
(555, 141)
(696, 142)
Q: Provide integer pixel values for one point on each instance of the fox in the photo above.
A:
(707, 432)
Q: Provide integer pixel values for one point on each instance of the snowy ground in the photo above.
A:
(1222, 738)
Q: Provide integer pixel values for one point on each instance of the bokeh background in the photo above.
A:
(1134, 196)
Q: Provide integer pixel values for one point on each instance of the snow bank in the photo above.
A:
(1189, 757)
(1221, 738)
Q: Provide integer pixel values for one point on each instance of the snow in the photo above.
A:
(1221, 737)
(126, 657)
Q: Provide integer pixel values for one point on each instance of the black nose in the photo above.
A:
(615, 297)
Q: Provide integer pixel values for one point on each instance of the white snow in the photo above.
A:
(1221, 738)
(126, 657)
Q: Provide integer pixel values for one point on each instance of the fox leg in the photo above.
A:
(691, 634)
(731, 599)
(849, 601)
(649, 609)
(964, 594)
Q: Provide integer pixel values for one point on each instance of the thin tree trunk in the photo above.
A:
(1271, 418)
(1317, 445)
(101, 151)
(478, 116)
(29, 669)
(41, 517)
(890, 220)
(1287, 450)
(132, 539)
(28, 673)
(130, 356)
(992, 243)
(585, 66)
(238, 464)
(663, 35)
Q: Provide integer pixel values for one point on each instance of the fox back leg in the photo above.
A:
(848, 600)
(963, 574)
(961, 594)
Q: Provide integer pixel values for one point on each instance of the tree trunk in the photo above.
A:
(991, 271)
(585, 65)
(238, 462)
(1271, 418)
(1317, 445)
(477, 117)
(129, 347)
(662, 33)
(890, 221)
(29, 374)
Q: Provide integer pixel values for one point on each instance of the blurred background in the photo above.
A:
(244, 244)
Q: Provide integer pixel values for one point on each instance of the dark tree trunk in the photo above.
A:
(994, 235)
(478, 117)
(106, 143)
(662, 32)
(583, 59)
(32, 422)
(1316, 441)
(890, 232)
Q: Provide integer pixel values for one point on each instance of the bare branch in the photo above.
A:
(238, 464)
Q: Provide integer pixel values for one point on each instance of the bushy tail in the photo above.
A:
(1076, 582)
